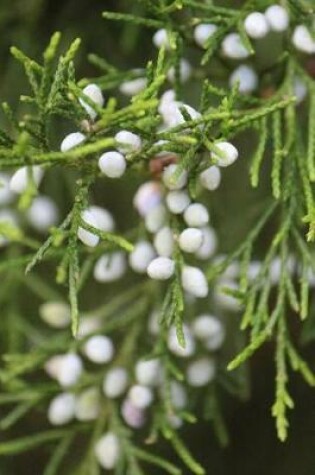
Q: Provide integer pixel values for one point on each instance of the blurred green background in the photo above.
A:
(253, 448)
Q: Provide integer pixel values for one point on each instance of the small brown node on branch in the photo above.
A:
(158, 163)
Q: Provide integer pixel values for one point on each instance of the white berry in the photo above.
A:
(70, 370)
(141, 256)
(87, 405)
(233, 47)
(177, 201)
(71, 141)
(56, 314)
(203, 32)
(132, 415)
(196, 215)
(164, 242)
(155, 218)
(148, 372)
(161, 38)
(256, 25)
(61, 409)
(87, 237)
(52, 365)
(228, 155)
(303, 40)
(110, 267)
(147, 197)
(190, 239)
(194, 281)
(172, 180)
(94, 93)
(167, 98)
(246, 77)
(115, 382)
(100, 219)
(43, 213)
(107, 450)
(173, 116)
(277, 18)
(161, 268)
(133, 87)
(210, 178)
(104, 219)
(200, 372)
(127, 142)
(112, 164)
(99, 349)
(140, 396)
(21, 179)
(209, 244)
(174, 345)
(210, 330)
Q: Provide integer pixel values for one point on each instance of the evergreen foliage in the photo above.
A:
(275, 124)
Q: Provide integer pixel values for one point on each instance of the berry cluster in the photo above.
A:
(182, 154)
